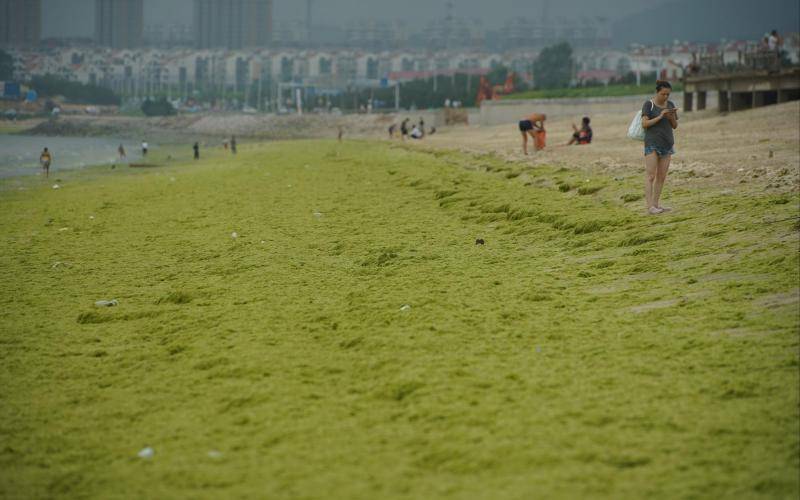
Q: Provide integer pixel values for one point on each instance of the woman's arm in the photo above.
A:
(649, 122)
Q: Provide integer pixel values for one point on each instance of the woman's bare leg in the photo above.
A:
(525, 143)
(661, 178)
(650, 173)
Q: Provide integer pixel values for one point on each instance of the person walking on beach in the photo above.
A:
(44, 160)
(121, 151)
(659, 119)
(233, 144)
(533, 125)
(145, 146)
(196, 148)
(404, 129)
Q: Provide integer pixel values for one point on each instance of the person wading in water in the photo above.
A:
(659, 119)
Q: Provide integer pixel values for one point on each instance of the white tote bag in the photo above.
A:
(635, 130)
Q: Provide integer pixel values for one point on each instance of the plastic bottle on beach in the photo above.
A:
(106, 303)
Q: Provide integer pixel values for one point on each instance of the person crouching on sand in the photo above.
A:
(533, 125)
(582, 135)
(659, 119)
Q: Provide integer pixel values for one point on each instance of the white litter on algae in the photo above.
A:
(586, 350)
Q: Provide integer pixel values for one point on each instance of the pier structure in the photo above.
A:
(759, 80)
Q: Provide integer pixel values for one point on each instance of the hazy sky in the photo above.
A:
(714, 19)
(75, 17)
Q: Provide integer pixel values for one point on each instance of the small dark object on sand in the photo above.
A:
(480, 241)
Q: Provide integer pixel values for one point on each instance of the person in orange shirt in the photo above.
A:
(533, 125)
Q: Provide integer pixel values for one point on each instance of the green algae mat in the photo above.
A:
(316, 320)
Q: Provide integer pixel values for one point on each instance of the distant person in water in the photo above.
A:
(145, 147)
(582, 135)
(233, 144)
(341, 133)
(196, 148)
(121, 151)
(533, 125)
(422, 126)
(404, 129)
(417, 133)
(392, 128)
(659, 119)
(44, 160)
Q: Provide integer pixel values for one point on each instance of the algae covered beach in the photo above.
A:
(315, 320)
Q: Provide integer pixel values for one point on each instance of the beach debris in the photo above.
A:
(480, 241)
(63, 229)
(317, 215)
(214, 454)
(405, 308)
(56, 186)
(740, 170)
(106, 303)
(771, 153)
(234, 235)
(263, 242)
(538, 348)
(146, 453)
(91, 217)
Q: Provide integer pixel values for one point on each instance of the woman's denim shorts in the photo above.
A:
(658, 151)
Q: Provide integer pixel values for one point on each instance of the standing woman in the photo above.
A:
(659, 119)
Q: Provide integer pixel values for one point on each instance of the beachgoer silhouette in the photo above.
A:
(44, 160)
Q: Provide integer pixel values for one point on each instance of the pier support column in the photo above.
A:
(783, 96)
(724, 101)
(687, 101)
(701, 101)
(758, 99)
(741, 100)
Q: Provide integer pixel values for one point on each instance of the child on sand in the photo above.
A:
(533, 125)
(44, 160)
(582, 135)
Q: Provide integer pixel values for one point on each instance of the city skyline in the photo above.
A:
(710, 19)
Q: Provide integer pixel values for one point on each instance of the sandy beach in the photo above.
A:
(371, 319)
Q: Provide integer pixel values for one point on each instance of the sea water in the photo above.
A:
(19, 154)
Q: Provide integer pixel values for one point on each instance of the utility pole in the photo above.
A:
(260, 101)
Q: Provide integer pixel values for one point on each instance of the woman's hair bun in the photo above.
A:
(660, 84)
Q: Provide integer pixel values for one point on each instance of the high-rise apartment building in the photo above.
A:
(119, 23)
(232, 24)
(20, 22)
